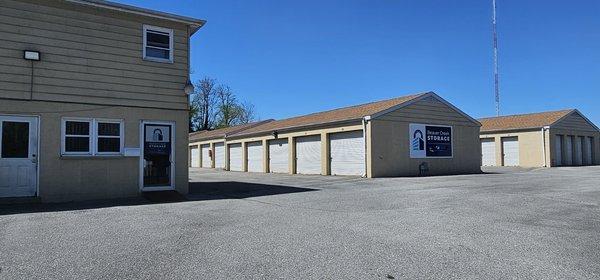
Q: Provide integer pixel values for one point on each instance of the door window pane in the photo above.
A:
(15, 140)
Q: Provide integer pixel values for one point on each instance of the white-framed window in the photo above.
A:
(77, 136)
(91, 137)
(108, 137)
(158, 44)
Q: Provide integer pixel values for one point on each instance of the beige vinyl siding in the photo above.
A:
(88, 56)
(79, 17)
(389, 136)
(428, 111)
(64, 178)
(574, 122)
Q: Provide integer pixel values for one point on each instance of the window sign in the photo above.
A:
(158, 140)
(430, 141)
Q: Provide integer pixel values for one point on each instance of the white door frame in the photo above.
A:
(37, 152)
(141, 169)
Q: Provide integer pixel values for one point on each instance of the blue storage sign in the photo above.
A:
(430, 141)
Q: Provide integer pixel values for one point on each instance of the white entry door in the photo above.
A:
(308, 155)
(488, 152)
(255, 157)
(206, 159)
(279, 156)
(195, 156)
(18, 156)
(235, 157)
(219, 155)
(347, 151)
(510, 150)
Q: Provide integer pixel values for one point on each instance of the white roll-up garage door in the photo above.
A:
(279, 156)
(235, 157)
(488, 152)
(558, 150)
(347, 151)
(510, 149)
(308, 155)
(255, 157)
(568, 158)
(589, 144)
(206, 160)
(195, 156)
(219, 155)
(579, 150)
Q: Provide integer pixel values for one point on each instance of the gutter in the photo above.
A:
(510, 130)
(365, 121)
(544, 144)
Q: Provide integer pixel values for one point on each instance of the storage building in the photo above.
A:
(557, 138)
(207, 147)
(419, 134)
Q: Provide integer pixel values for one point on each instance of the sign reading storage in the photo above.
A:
(430, 141)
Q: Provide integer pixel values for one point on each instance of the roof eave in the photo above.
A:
(292, 128)
(193, 22)
(221, 136)
(532, 128)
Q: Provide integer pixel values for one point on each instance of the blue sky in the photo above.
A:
(296, 57)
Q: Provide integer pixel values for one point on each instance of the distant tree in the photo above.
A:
(216, 106)
(205, 102)
(245, 113)
(193, 116)
(227, 104)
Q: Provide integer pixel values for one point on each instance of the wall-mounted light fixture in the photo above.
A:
(31, 55)
(189, 87)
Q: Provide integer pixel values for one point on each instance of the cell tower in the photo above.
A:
(496, 81)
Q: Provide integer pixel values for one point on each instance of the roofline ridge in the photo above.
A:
(358, 105)
(529, 114)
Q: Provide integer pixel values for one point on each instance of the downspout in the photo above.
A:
(365, 120)
(544, 144)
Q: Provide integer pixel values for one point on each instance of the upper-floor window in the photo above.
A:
(158, 44)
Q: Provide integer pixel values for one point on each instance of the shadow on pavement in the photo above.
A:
(198, 192)
(227, 190)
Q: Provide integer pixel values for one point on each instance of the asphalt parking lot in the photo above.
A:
(510, 223)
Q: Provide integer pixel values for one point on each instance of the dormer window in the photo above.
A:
(158, 44)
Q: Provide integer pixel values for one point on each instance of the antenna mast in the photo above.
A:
(496, 81)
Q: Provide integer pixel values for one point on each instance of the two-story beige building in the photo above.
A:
(93, 99)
